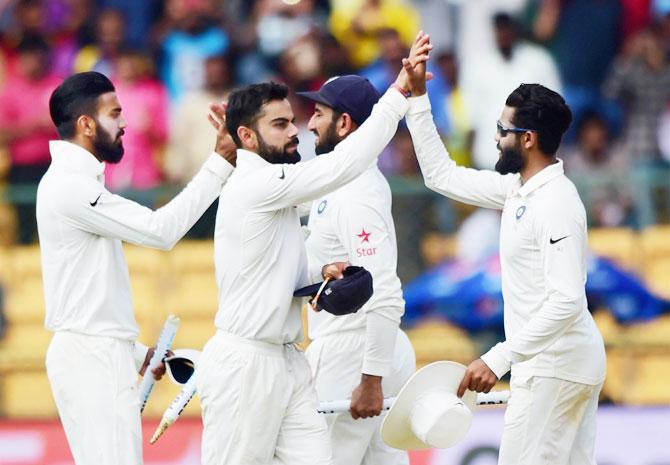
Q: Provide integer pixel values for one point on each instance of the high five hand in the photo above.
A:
(225, 146)
(413, 76)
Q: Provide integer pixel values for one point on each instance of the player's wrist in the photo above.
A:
(370, 379)
(403, 90)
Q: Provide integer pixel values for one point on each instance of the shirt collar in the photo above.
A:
(539, 179)
(249, 160)
(77, 157)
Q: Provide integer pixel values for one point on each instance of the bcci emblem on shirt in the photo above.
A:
(363, 251)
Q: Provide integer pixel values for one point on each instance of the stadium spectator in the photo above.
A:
(191, 135)
(474, 33)
(25, 128)
(594, 158)
(280, 24)
(384, 69)
(565, 26)
(439, 18)
(488, 79)
(640, 79)
(138, 17)
(145, 105)
(334, 57)
(357, 25)
(66, 26)
(191, 34)
(460, 134)
(109, 38)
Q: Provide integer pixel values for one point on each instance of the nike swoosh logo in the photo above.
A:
(93, 204)
(282, 173)
(552, 241)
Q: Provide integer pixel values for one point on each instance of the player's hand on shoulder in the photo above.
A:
(478, 377)
(225, 146)
(367, 400)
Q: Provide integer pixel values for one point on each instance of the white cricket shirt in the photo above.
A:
(259, 247)
(543, 243)
(354, 224)
(81, 225)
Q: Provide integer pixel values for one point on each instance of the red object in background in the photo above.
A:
(43, 443)
(636, 16)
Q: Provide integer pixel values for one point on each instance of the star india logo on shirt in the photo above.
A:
(363, 251)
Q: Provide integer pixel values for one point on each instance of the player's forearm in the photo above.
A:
(169, 223)
(540, 332)
(139, 354)
(380, 337)
(483, 188)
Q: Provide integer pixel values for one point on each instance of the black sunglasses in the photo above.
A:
(503, 131)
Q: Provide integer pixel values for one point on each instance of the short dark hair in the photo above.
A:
(543, 110)
(502, 20)
(76, 96)
(32, 43)
(244, 105)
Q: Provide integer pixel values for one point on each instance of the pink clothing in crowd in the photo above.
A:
(145, 107)
(26, 103)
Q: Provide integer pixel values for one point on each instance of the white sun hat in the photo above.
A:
(427, 412)
(181, 365)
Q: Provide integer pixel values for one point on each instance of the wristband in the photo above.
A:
(406, 93)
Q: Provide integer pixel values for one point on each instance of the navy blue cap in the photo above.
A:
(350, 94)
(342, 296)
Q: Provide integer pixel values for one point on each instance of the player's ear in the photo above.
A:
(529, 139)
(85, 125)
(248, 138)
(345, 125)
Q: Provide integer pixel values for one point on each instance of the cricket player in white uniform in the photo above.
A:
(363, 356)
(257, 395)
(553, 347)
(94, 358)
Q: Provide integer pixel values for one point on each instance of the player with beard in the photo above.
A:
(93, 359)
(552, 346)
(363, 356)
(258, 400)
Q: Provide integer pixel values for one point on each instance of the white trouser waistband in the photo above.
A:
(252, 345)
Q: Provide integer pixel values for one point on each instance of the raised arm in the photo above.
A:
(441, 174)
(482, 188)
(289, 185)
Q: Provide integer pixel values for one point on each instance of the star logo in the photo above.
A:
(364, 236)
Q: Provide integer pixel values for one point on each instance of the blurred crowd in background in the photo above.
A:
(610, 59)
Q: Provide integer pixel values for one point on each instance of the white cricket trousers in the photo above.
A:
(336, 362)
(259, 406)
(549, 421)
(94, 383)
